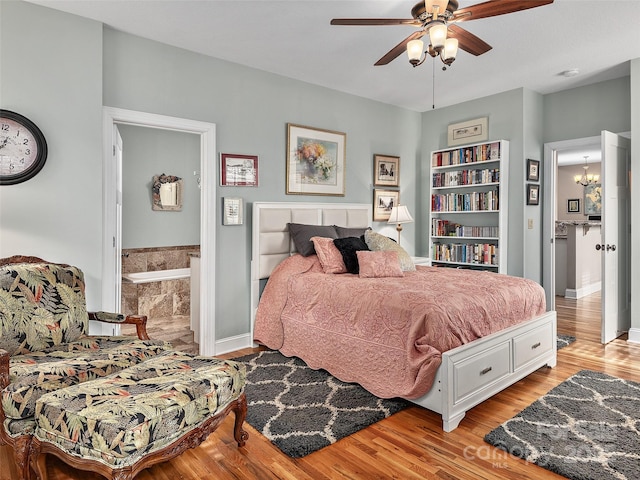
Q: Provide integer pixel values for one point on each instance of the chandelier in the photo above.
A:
(435, 24)
(586, 179)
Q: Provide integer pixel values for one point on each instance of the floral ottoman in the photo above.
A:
(123, 423)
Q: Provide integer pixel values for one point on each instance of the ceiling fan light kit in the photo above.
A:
(437, 18)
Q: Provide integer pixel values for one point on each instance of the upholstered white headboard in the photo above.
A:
(271, 242)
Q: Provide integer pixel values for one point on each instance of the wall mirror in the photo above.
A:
(166, 192)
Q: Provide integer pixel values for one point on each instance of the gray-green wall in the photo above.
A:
(63, 84)
(586, 111)
(148, 152)
(51, 72)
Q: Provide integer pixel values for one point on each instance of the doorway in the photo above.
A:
(160, 242)
(111, 224)
(615, 264)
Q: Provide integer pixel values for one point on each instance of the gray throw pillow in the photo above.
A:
(344, 232)
(301, 234)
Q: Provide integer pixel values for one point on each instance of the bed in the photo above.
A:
(448, 376)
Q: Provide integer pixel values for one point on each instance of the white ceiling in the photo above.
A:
(294, 38)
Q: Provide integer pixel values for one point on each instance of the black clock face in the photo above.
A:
(23, 148)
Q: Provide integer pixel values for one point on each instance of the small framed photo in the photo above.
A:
(383, 202)
(533, 170)
(238, 170)
(233, 211)
(573, 205)
(533, 194)
(386, 171)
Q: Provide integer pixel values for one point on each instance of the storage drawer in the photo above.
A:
(531, 345)
(481, 370)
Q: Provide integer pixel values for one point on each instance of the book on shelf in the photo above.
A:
(446, 228)
(465, 177)
(465, 202)
(471, 253)
(463, 155)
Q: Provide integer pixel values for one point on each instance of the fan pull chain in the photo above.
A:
(433, 86)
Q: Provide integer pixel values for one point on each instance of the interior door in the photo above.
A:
(117, 240)
(615, 244)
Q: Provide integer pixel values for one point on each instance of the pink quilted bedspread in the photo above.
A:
(386, 334)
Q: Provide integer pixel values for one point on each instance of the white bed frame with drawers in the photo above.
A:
(469, 374)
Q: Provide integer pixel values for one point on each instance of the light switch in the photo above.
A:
(530, 223)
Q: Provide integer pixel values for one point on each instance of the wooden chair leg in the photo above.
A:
(38, 460)
(21, 456)
(240, 412)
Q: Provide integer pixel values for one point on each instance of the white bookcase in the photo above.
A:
(468, 209)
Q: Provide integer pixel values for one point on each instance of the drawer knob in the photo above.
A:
(535, 345)
(486, 370)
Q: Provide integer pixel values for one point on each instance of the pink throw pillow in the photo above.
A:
(329, 255)
(379, 264)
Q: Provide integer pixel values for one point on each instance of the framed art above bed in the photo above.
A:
(315, 161)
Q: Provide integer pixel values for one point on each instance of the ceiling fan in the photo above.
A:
(437, 18)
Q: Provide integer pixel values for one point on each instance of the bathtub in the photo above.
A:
(157, 276)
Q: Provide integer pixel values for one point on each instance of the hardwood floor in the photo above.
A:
(409, 444)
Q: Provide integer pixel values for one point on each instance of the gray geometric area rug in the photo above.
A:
(301, 410)
(564, 341)
(586, 428)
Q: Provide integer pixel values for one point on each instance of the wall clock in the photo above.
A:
(23, 148)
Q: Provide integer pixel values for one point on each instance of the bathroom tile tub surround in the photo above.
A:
(156, 299)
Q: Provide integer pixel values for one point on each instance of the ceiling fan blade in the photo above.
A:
(467, 41)
(375, 21)
(494, 8)
(398, 49)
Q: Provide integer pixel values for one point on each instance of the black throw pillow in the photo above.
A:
(348, 247)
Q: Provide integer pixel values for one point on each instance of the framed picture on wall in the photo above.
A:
(470, 131)
(383, 202)
(533, 170)
(238, 170)
(593, 199)
(315, 161)
(533, 194)
(386, 171)
(573, 205)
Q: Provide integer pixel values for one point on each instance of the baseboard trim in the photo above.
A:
(584, 291)
(231, 344)
(634, 335)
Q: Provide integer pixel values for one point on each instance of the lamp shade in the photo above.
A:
(414, 49)
(450, 49)
(399, 215)
(436, 6)
(438, 35)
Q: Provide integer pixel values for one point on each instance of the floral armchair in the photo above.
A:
(44, 344)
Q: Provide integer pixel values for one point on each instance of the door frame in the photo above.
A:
(208, 175)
